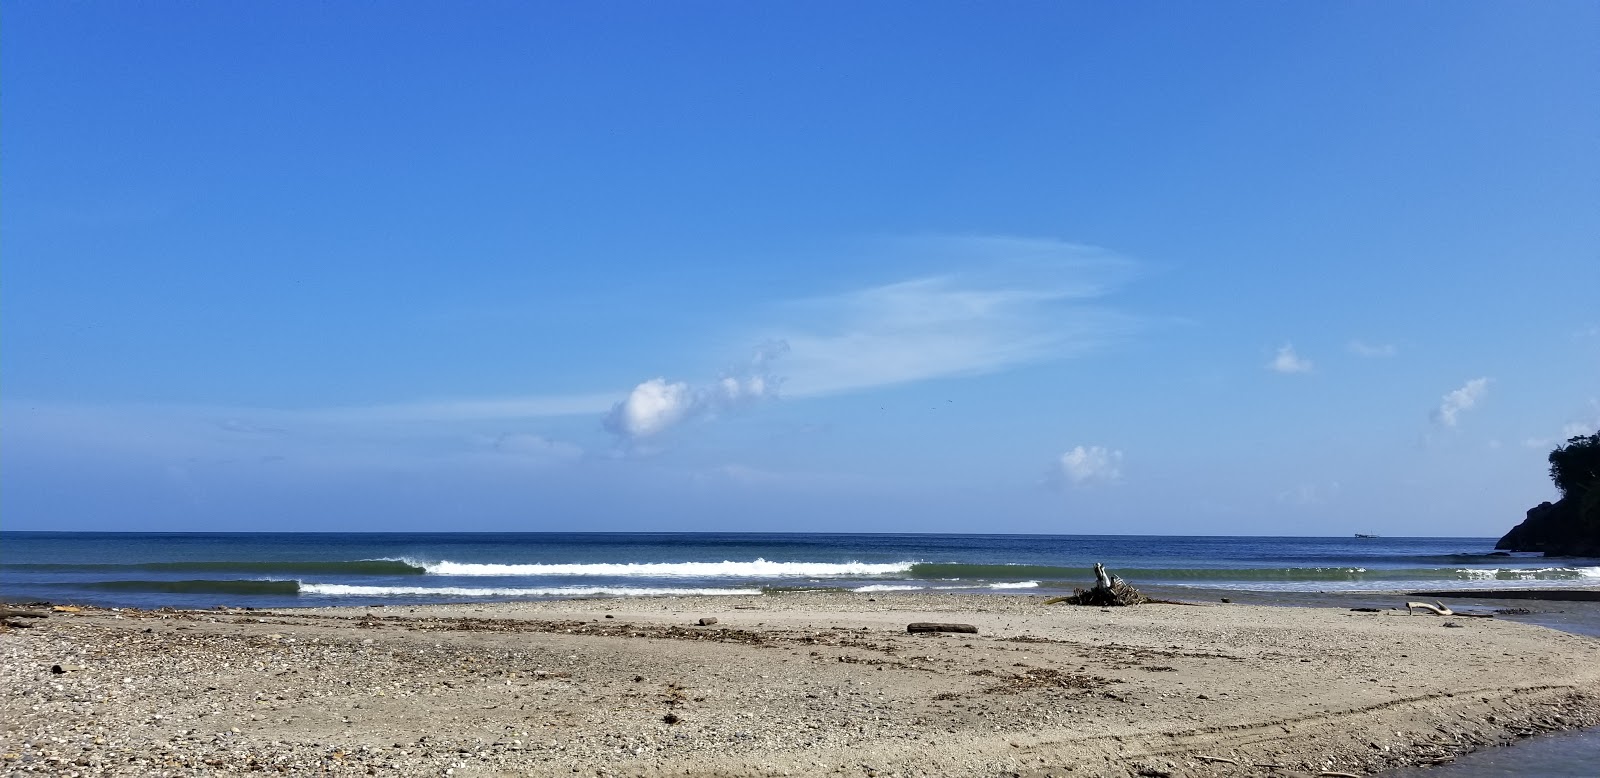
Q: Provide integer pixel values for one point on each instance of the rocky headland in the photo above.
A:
(1569, 526)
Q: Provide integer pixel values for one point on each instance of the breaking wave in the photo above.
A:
(759, 568)
(345, 590)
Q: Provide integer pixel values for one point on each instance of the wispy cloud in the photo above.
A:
(1086, 465)
(467, 409)
(1455, 402)
(1018, 301)
(1287, 361)
(996, 303)
(342, 439)
(1372, 351)
(1584, 423)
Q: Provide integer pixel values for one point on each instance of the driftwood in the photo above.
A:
(706, 621)
(7, 613)
(1437, 610)
(928, 626)
(1108, 590)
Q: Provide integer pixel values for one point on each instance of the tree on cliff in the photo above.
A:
(1575, 467)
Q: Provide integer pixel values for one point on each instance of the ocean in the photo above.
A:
(201, 570)
(267, 570)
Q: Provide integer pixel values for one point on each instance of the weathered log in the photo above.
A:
(7, 613)
(929, 626)
(1437, 610)
(707, 621)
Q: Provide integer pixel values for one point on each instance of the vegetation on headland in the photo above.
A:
(1569, 526)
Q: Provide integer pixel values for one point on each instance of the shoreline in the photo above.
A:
(782, 684)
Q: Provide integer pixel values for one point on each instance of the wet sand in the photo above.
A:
(792, 684)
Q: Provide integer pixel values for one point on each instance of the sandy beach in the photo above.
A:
(791, 684)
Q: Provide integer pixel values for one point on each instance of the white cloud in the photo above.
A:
(1459, 400)
(1289, 362)
(1372, 351)
(1085, 465)
(1020, 301)
(651, 407)
(656, 405)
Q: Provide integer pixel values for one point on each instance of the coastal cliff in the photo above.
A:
(1569, 526)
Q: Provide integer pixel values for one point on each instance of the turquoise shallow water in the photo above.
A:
(202, 570)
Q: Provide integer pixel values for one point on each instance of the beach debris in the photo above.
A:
(1366, 610)
(1451, 624)
(706, 621)
(9, 613)
(1437, 610)
(65, 608)
(1108, 590)
(62, 669)
(1222, 759)
(930, 626)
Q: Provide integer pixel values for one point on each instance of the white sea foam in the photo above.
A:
(1015, 585)
(343, 590)
(759, 568)
(889, 588)
(1529, 573)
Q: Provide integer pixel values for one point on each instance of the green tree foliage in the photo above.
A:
(1575, 468)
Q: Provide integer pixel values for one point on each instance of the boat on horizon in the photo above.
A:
(1365, 535)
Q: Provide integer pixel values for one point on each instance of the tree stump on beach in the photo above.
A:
(1109, 590)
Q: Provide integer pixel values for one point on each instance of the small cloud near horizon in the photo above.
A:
(1455, 402)
(1086, 465)
(1288, 362)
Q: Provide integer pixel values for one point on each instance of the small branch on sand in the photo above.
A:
(1332, 774)
(1108, 590)
(1222, 759)
(1437, 610)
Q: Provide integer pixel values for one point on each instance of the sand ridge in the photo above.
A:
(788, 684)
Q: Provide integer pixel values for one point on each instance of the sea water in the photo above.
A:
(309, 569)
(202, 570)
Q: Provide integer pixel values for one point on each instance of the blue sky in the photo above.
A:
(1228, 268)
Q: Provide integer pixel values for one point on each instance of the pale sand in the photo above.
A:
(794, 684)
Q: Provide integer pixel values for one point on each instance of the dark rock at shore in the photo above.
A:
(1561, 528)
